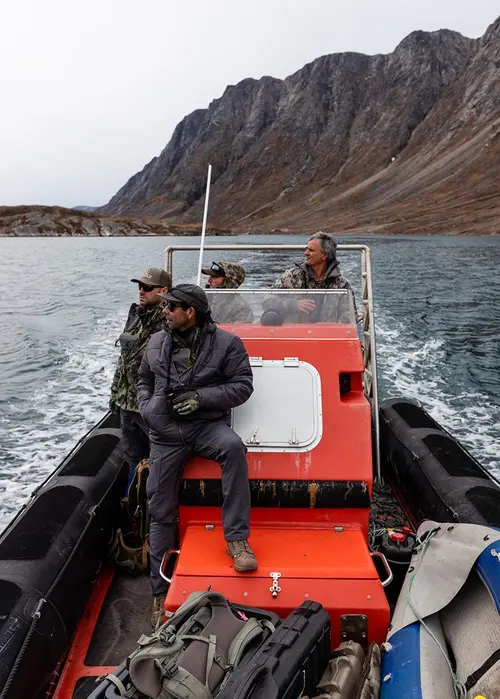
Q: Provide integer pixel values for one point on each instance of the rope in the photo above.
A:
(459, 689)
(384, 513)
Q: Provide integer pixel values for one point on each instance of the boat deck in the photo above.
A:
(121, 604)
(118, 613)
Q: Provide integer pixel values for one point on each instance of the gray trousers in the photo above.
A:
(135, 437)
(211, 440)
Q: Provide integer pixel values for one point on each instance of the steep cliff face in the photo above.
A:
(172, 183)
(447, 179)
(345, 142)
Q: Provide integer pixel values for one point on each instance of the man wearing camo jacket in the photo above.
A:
(144, 319)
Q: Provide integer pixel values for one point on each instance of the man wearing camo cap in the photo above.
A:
(227, 308)
(144, 319)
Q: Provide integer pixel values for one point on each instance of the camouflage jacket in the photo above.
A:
(302, 277)
(140, 325)
(231, 308)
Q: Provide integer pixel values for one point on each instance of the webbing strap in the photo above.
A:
(252, 629)
(157, 651)
(210, 657)
(267, 625)
(184, 685)
(474, 678)
(215, 599)
(118, 684)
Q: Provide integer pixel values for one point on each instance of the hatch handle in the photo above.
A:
(253, 439)
(167, 565)
(388, 570)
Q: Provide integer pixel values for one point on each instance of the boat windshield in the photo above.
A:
(282, 307)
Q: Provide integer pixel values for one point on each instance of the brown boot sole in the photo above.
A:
(239, 569)
(245, 570)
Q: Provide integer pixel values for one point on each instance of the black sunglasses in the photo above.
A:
(172, 305)
(147, 288)
(218, 269)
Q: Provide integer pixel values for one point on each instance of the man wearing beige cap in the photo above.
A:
(144, 319)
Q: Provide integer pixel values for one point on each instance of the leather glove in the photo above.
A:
(186, 403)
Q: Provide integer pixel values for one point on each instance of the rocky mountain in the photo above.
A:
(16, 221)
(405, 142)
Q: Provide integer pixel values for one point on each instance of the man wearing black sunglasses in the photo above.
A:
(190, 377)
(144, 319)
(227, 308)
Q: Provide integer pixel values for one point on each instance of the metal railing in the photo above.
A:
(370, 384)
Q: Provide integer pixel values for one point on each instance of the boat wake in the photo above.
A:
(41, 429)
(419, 369)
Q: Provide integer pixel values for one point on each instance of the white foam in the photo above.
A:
(64, 409)
(418, 369)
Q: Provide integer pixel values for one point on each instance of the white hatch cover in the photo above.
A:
(284, 411)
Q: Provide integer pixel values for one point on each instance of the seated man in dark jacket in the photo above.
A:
(190, 377)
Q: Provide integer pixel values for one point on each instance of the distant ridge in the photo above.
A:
(405, 142)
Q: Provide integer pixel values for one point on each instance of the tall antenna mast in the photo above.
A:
(204, 226)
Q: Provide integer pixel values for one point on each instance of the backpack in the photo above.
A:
(351, 674)
(193, 653)
(130, 550)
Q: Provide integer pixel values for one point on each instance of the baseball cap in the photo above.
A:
(153, 276)
(189, 294)
(216, 270)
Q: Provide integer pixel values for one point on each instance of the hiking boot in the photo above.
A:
(157, 612)
(244, 557)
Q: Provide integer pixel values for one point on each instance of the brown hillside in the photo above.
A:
(406, 142)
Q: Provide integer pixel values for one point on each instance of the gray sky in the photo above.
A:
(91, 90)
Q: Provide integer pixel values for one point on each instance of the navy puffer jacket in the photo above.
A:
(221, 375)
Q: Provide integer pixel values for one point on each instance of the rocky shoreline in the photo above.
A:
(58, 222)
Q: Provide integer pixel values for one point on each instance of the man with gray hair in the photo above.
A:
(320, 270)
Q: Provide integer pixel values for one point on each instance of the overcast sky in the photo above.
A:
(91, 90)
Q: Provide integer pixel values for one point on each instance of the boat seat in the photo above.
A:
(316, 564)
(307, 428)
